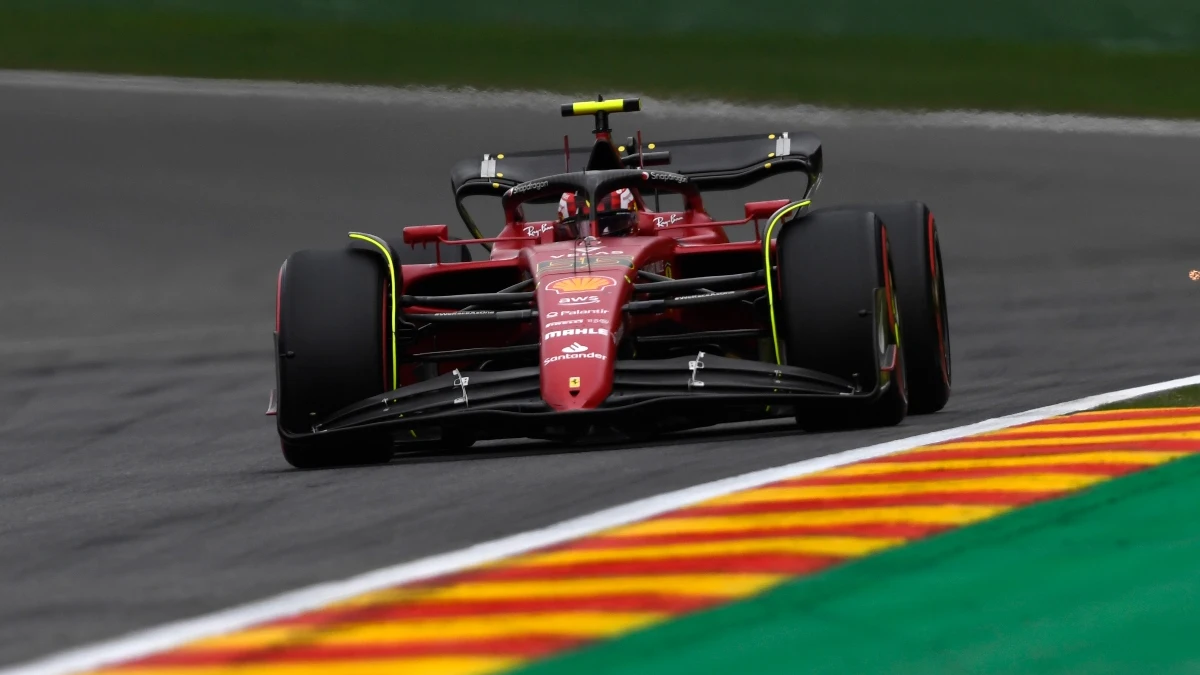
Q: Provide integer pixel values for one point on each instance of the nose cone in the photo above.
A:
(579, 316)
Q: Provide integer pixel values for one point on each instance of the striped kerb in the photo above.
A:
(499, 616)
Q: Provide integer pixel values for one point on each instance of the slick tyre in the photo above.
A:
(331, 339)
(921, 293)
(837, 314)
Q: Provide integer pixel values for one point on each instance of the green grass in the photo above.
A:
(787, 68)
(1184, 397)
(1103, 581)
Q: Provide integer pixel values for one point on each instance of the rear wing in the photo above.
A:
(712, 164)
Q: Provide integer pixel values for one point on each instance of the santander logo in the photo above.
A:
(574, 348)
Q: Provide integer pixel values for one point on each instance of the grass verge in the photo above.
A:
(1102, 581)
(788, 68)
(1184, 397)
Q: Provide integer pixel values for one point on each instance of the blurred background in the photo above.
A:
(1122, 57)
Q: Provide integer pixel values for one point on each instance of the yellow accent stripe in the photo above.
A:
(387, 253)
(767, 257)
(1092, 414)
(437, 665)
(1096, 426)
(953, 514)
(1047, 461)
(1131, 439)
(702, 585)
(814, 545)
(586, 624)
(566, 624)
(1031, 483)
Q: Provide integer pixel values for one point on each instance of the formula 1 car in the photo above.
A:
(612, 316)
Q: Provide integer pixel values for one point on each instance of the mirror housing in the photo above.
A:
(756, 210)
(426, 234)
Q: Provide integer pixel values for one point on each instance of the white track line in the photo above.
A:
(541, 101)
(172, 635)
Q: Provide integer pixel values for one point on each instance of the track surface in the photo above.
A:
(140, 235)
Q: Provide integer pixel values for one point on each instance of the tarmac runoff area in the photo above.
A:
(142, 225)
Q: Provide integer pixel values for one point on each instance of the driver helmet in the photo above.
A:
(616, 213)
(572, 209)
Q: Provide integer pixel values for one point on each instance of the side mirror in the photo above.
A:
(757, 210)
(426, 234)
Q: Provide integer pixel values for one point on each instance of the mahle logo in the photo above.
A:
(570, 332)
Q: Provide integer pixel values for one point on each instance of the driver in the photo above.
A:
(616, 214)
(572, 209)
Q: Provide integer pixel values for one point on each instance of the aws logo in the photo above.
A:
(579, 300)
(580, 284)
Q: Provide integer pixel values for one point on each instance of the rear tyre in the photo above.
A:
(837, 314)
(331, 342)
(921, 293)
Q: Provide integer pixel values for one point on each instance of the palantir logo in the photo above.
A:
(574, 348)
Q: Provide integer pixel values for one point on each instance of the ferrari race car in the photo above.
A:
(613, 317)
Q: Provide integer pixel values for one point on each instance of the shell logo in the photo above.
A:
(580, 284)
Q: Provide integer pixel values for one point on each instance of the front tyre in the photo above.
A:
(838, 314)
(330, 352)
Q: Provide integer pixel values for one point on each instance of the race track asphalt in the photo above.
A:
(140, 235)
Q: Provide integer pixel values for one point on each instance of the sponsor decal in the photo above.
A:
(706, 295)
(574, 312)
(580, 284)
(573, 356)
(479, 312)
(668, 176)
(575, 302)
(591, 246)
(666, 221)
(600, 321)
(657, 267)
(586, 252)
(574, 348)
(537, 230)
(573, 383)
(526, 187)
(572, 322)
(571, 332)
(572, 264)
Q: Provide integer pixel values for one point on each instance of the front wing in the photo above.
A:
(706, 389)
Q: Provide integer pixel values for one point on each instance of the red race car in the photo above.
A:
(608, 315)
